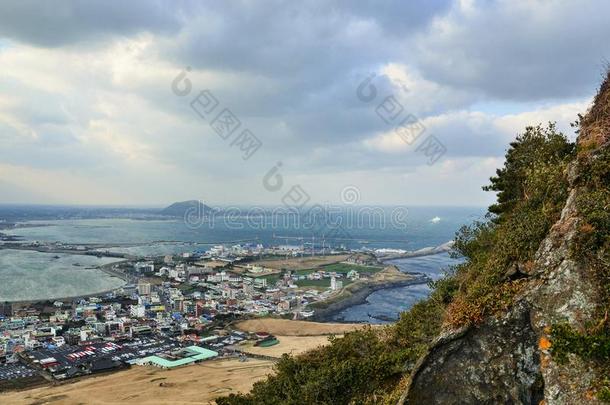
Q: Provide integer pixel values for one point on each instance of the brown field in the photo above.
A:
(211, 263)
(300, 263)
(243, 270)
(151, 280)
(195, 384)
(287, 327)
(288, 344)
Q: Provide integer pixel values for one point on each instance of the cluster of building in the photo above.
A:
(174, 311)
(61, 340)
(199, 294)
(198, 291)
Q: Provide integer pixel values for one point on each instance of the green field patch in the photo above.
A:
(346, 267)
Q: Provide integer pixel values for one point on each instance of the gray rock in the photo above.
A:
(496, 362)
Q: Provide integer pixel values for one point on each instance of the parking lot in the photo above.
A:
(144, 347)
(15, 371)
(57, 359)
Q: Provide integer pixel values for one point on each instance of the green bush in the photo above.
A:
(532, 189)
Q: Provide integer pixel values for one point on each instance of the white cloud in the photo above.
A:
(474, 133)
(85, 95)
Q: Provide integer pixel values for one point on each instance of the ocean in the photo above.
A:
(33, 275)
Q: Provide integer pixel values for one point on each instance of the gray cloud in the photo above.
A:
(52, 24)
(519, 50)
(307, 40)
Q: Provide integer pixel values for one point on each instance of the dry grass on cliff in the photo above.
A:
(595, 125)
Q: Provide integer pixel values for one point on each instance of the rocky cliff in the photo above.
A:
(510, 357)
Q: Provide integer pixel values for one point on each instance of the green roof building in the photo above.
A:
(191, 354)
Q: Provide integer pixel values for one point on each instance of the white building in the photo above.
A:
(353, 275)
(261, 281)
(217, 250)
(144, 288)
(137, 311)
(144, 267)
(255, 269)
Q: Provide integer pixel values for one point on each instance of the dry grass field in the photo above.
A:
(288, 344)
(287, 327)
(195, 384)
(295, 337)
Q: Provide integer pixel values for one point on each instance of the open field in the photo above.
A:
(273, 276)
(288, 344)
(346, 267)
(319, 285)
(287, 327)
(300, 263)
(295, 337)
(211, 263)
(196, 384)
(243, 270)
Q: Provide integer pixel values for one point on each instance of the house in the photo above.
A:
(353, 275)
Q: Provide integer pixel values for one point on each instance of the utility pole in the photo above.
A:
(313, 246)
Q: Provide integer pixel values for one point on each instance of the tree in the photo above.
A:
(538, 146)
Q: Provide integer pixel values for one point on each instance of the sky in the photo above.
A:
(263, 102)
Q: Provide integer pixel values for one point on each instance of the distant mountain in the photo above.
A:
(180, 209)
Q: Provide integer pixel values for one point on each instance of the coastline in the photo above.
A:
(358, 292)
(351, 295)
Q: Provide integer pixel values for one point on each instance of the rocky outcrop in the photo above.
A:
(507, 359)
(473, 366)
(565, 293)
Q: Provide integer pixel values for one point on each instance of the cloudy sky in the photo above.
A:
(90, 113)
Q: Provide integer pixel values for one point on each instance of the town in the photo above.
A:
(173, 310)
